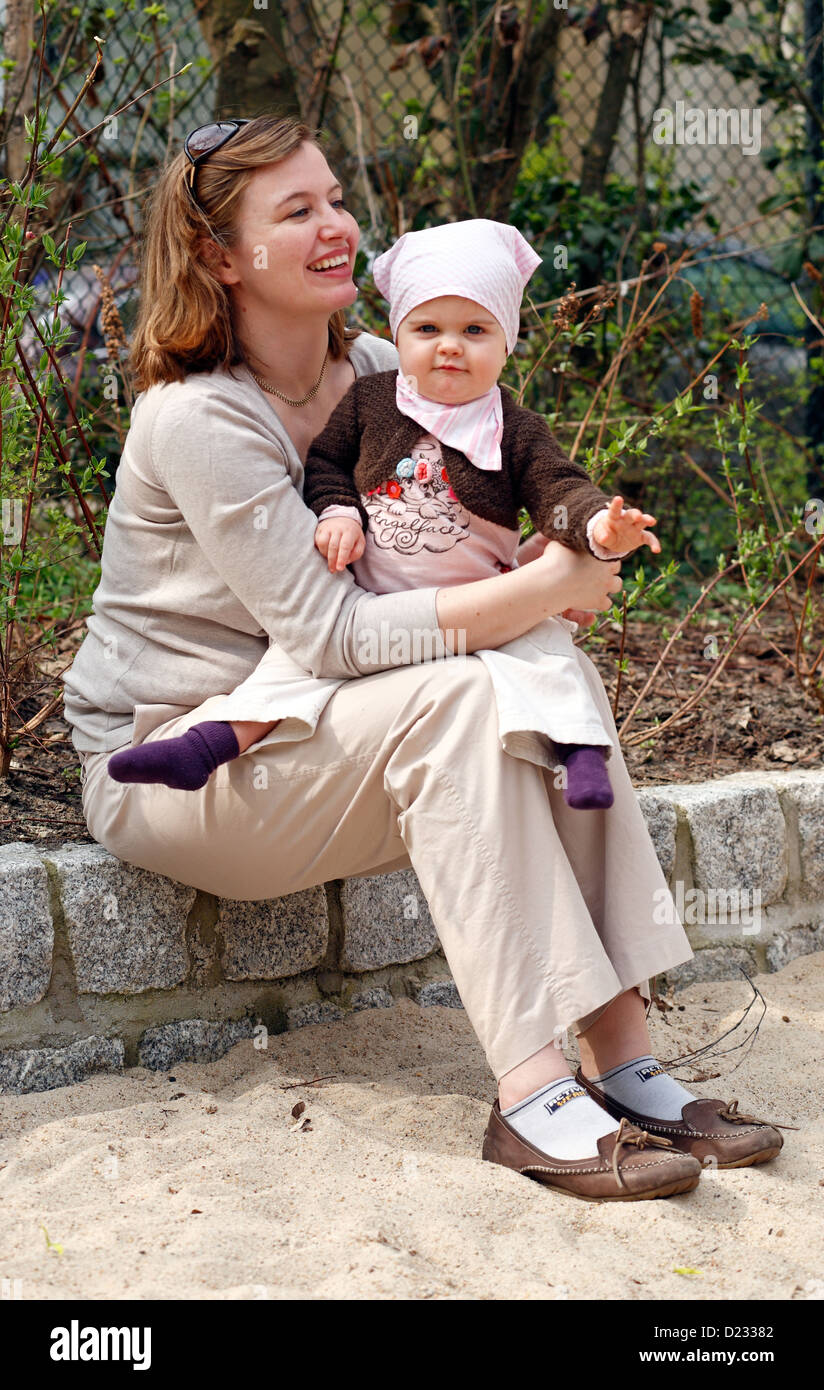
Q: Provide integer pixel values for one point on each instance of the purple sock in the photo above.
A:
(587, 787)
(186, 762)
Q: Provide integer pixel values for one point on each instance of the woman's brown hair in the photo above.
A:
(184, 321)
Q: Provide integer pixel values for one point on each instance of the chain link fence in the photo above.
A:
(412, 108)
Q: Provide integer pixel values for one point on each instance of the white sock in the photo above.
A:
(561, 1119)
(642, 1085)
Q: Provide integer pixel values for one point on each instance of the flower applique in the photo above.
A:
(417, 509)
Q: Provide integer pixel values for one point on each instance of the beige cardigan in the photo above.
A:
(208, 554)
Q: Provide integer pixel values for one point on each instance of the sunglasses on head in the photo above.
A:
(200, 143)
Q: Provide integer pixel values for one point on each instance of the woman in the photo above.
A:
(545, 915)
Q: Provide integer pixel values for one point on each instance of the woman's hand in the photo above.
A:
(340, 539)
(590, 582)
(529, 550)
(577, 615)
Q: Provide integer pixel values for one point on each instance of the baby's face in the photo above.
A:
(453, 348)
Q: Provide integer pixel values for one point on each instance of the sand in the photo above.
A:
(200, 1186)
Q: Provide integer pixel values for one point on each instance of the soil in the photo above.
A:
(754, 716)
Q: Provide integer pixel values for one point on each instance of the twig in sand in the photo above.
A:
(293, 1084)
(703, 1052)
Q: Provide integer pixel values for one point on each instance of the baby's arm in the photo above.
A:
(565, 504)
(329, 485)
(620, 530)
(328, 473)
(339, 536)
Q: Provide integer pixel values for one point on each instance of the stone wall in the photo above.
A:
(103, 965)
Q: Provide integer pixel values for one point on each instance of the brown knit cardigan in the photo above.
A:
(366, 436)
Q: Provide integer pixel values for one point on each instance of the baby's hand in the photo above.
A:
(340, 539)
(623, 529)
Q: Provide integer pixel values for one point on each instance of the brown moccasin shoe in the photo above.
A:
(708, 1129)
(628, 1167)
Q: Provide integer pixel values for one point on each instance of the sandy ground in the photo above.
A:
(214, 1194)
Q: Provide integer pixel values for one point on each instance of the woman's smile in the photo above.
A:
(333, 263)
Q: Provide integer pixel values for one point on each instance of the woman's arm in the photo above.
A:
(226, 475)
(492, 611)
(231, 485)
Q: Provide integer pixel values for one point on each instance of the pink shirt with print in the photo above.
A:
(425, 535)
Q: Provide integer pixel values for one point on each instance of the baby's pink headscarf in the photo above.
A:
(482, 260)
(487, 262)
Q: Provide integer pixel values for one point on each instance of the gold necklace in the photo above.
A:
(267, 386)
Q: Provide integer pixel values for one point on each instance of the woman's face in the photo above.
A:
(454, 348)
(292, 217)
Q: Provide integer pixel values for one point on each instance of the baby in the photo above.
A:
(418, 476)
(417, 480)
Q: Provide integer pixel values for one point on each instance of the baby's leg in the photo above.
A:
(247, 732)
(587, 785)
(188, 761)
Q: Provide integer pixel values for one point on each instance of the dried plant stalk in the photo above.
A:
(113, 331)
(696, 305)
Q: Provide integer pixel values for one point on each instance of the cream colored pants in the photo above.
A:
(545, 914)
